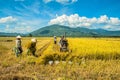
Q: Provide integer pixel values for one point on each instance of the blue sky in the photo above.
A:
(28, 15)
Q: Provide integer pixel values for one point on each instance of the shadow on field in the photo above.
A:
(9, 77)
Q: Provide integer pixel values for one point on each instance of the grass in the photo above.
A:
(90, 59)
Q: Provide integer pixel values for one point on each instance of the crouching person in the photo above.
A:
(31, 49)
(18, 48)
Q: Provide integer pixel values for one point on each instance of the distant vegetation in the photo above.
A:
(3, 34)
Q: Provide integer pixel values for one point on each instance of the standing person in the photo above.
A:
(32, 46)
(61, 42)
(18, 45)
(55, 39)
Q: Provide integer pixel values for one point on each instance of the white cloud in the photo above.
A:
(74, 0)
(18, 24)
(19, 28)
(22, 29)
(61, 1)
(7, 26)
(107, 27)
(75, 20)
(7, 19)
(114, 21)
(47, 1)
(103, 19)
(19, 0)
(72, 20)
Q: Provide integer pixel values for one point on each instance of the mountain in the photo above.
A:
(10, 34)
(59, 30)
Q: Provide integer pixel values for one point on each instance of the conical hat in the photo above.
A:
(34, 40)
(18, 36)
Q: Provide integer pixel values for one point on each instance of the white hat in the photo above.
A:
(18, 36)
(34, 40)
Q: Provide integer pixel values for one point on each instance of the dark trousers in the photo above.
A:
(55, 42)
(20, 49)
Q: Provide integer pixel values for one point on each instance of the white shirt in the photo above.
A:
(18, 43)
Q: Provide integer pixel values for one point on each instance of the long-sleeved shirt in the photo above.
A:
(18, 43)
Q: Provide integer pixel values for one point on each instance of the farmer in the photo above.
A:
(32, 46)
(61, 42)
(18, 45)
(55, 39)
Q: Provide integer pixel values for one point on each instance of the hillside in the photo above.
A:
(59, 30)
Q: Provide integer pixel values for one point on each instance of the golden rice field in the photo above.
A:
(87, 59)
